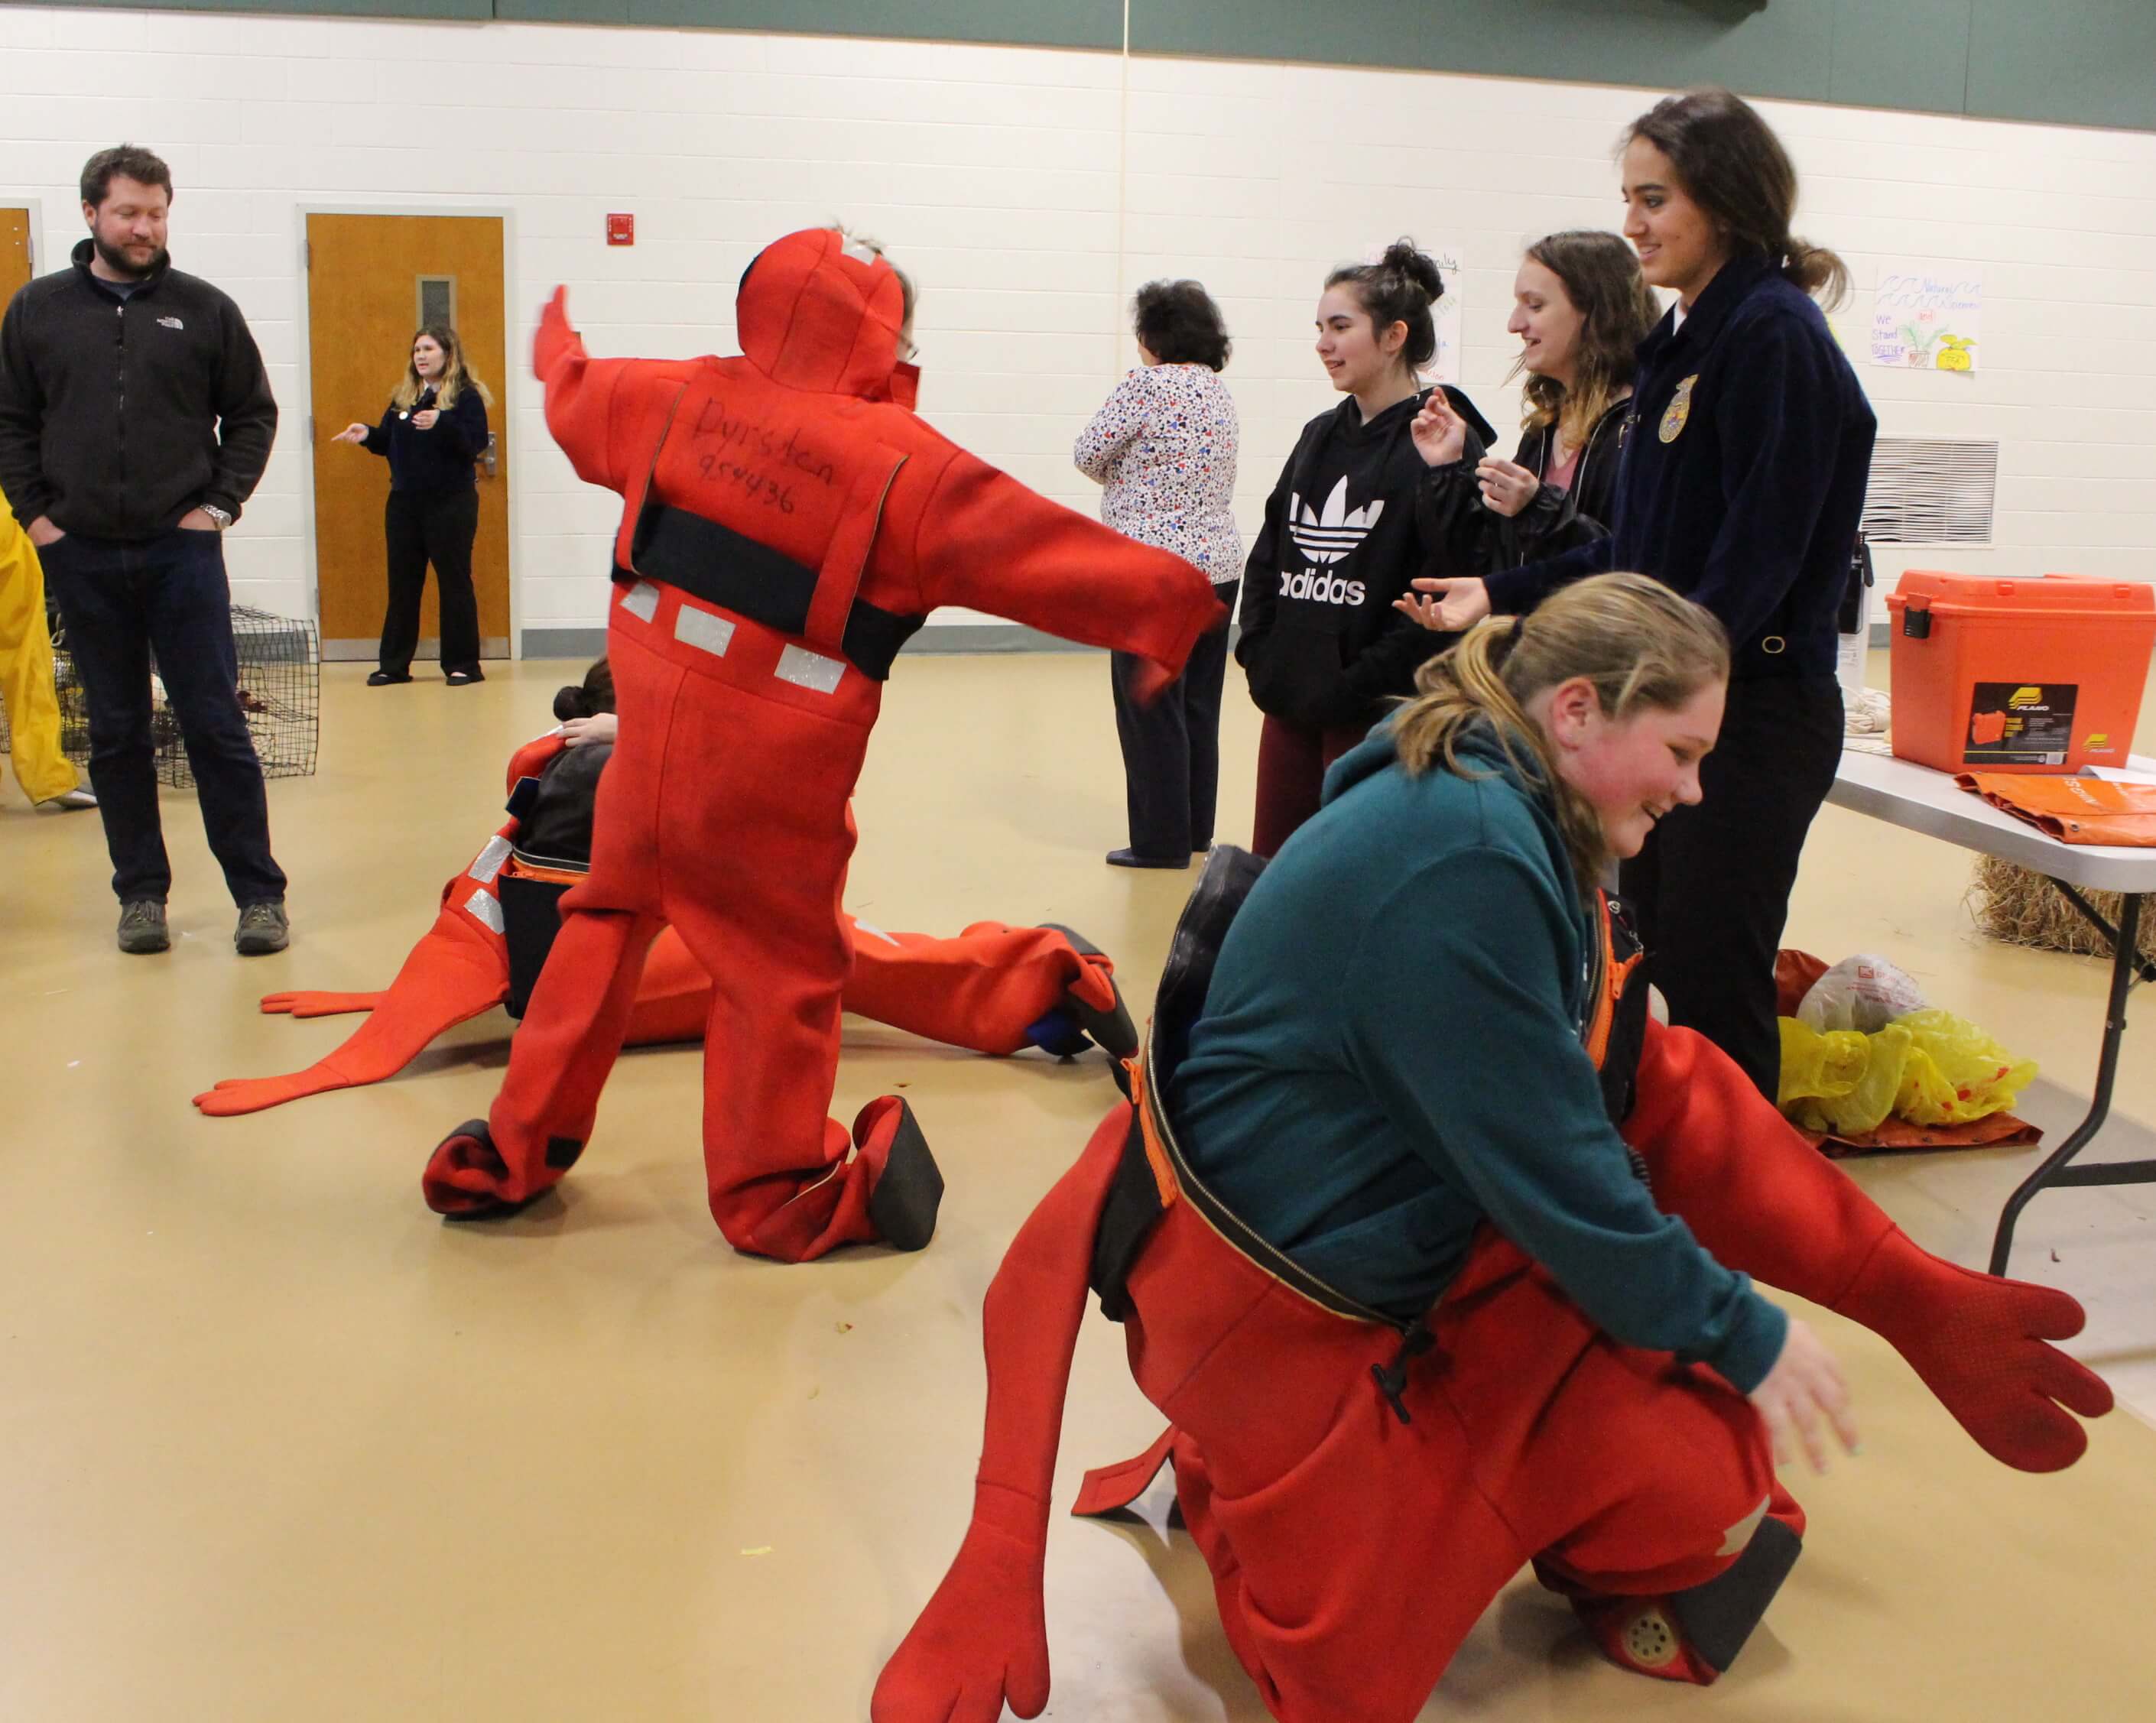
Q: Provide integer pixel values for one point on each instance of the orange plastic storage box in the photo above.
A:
(2019, 675)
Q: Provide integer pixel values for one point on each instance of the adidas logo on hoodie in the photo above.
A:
(1332, 536)
(1321, 588)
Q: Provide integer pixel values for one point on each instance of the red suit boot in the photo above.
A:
(788, 524)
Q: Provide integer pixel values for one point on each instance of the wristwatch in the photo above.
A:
(215, 515)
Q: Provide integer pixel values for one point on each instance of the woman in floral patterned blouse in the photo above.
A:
(1163, 445)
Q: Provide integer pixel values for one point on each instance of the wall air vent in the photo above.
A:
(1932, 491)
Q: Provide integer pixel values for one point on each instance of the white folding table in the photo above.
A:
(1922, 800)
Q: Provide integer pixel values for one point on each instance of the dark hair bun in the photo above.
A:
(1416, 266)
(1399, 288)
(574, 701)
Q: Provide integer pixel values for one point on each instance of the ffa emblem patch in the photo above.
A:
(1679, 409)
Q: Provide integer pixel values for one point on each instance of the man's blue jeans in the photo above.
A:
(120, 602)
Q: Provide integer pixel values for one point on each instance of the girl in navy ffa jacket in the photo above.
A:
(434, 429)
(1346, 529)
(1742, 485)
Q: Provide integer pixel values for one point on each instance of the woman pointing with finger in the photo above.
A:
(434, 430)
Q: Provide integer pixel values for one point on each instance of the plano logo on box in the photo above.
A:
(2020, 724)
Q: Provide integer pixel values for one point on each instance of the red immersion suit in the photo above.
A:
(786, 525)
(1361, 1495)
(994, 989)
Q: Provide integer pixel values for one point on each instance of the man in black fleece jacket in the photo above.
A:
(135, 422)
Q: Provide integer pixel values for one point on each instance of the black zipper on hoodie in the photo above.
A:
(120, 432)
(1609, 433)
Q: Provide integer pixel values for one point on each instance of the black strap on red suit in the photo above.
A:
(711, 562)
(1392, 1379)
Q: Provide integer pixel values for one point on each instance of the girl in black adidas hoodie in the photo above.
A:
(1357, 514)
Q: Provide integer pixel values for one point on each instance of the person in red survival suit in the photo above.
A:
(994, 989)
(1463, 1284)
(787, 523)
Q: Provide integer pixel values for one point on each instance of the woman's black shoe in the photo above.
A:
(463, 679)
(1132, 858)
(384, 679)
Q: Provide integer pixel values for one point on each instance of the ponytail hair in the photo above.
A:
(1399, 288)
(588, 697)
(1734, 167)
(1642, 646)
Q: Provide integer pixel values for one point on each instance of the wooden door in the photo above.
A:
(14, 251)
(372, 281)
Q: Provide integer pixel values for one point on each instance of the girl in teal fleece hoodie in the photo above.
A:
(1417, 1312)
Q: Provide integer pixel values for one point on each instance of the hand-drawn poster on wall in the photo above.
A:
(1444, 368)
(1928, 317)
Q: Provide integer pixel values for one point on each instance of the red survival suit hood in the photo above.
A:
(818, 310)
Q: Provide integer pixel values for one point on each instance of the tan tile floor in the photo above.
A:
(276, 1444)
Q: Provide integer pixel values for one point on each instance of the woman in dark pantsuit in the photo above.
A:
(435, 430)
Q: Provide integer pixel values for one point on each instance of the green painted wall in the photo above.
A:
(463, 10)
(2079, 62)
(1765, 46)
(1046, 24)
(2085, 63)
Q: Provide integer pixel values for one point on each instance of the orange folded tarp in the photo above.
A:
(2074, 810)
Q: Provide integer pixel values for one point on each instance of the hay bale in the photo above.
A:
(2023, 908)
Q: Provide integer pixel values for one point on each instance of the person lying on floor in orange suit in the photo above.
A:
(787, 522)
(1463, 1283)
(995, 989)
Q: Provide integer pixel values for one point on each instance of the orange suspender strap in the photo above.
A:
(659, 417)
(838, 579)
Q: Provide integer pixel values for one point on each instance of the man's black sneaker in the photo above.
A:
(142, 928)
(263, 928)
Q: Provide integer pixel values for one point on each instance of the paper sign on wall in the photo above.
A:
(1928, 317)
(1444, 368)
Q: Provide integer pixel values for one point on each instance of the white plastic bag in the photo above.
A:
(1863, 992)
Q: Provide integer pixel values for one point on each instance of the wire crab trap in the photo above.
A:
(280, 691)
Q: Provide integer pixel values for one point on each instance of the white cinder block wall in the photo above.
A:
(1031, 190)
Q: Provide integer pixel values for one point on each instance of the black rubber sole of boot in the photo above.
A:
(1112, 1031)
(1718, 1618)
(496, 1208)
(902, 1207)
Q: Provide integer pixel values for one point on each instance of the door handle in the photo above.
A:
(490, 458)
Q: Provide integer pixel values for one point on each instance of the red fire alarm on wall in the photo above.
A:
(621, 230)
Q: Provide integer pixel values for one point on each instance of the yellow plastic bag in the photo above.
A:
(1927, 1068)
(1971, 1076)
(1820, 1065)
(1843, 1081)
